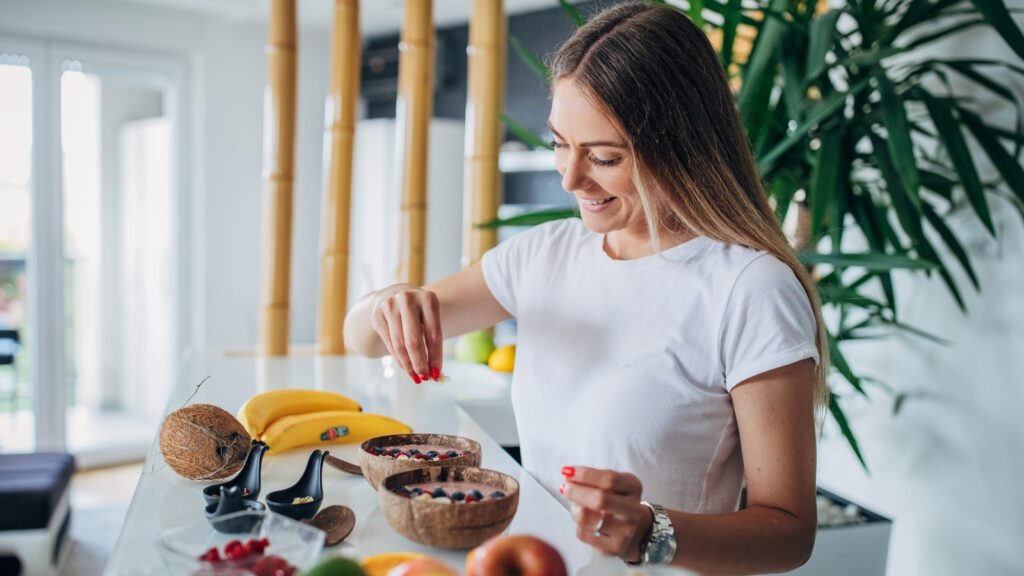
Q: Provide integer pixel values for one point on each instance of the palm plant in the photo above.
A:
(857, 128)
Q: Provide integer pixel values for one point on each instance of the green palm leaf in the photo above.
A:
(999, 17)
(524, 134)
(941, 111)
(827, 107)
(951, 242)
(532, 218)
(867, 260)
(901, 147)
(844, 427)
(1007, 165)
(574, 14)
(531, 60)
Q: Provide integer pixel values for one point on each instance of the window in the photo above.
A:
(104, 254)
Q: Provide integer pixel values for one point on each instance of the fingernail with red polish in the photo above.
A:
(561, 489)
(414, 377)
(435, 373)
(568, 471)
(424, 377)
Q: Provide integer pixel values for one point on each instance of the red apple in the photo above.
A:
(518, 554)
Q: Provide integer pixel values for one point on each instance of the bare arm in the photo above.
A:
(775, 533)
(411, 323)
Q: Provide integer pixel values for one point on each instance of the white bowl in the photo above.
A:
(181, 547)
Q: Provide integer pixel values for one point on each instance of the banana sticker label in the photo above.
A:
(333, 432)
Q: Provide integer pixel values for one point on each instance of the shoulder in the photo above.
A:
(739, 265)
(764, 284)
(564, 233)
(765, 270)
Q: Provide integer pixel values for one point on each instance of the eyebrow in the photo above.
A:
(591, 143)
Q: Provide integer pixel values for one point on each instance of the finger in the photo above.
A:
(434, 336)
(395, 331)
(585, 517)
(615, 534)
(618, 482)
(602, 500)
(379, 322)
(412, 324)
(600, 540)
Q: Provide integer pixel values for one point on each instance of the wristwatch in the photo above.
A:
(660, 548)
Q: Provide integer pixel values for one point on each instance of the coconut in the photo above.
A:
(203, 442)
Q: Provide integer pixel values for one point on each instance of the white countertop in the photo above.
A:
(164, 500)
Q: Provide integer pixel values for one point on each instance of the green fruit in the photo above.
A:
(474, 347)
(336, 566)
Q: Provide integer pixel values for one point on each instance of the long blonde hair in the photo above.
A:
(655, 73)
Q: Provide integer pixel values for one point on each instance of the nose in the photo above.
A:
(573, 174)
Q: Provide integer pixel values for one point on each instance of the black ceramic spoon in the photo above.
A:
(222, 514)
(336, 521)
(290, 500)
(344, 465)
(248, 479)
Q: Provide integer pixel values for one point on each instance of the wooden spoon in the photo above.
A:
(344, 465)
(336, 521)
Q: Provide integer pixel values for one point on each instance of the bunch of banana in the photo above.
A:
(292, 417)
(262, 409)
(329, 426)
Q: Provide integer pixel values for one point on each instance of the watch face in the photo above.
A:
(661, 550)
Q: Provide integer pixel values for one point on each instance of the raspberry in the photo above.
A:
(211, 555)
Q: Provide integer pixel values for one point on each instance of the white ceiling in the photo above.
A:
(376, 16)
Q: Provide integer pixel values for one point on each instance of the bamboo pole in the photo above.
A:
(339, 137)
(278, 175)
(483, 107)
(415, 103)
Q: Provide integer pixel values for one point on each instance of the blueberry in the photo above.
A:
(432, 454)
(497, 494)
(412, 452)
(438, 493)
(401, 491)
(396, 451)
(456, 495)
(476, 494)
(416, 491)
(451, 453)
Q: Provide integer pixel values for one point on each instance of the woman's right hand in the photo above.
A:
(408, 319)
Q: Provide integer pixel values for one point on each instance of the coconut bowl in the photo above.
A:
(377, 468)
(454, 526)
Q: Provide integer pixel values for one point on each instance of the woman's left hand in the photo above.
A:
(606, 506)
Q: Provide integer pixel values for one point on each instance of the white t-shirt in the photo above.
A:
(628, 364)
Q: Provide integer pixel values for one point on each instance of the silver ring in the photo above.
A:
(597, 527)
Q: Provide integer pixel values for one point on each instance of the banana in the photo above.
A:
(328, 426)
(263, 409)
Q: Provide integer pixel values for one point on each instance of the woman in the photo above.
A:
(669, 343)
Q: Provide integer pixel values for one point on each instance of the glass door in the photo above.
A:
(117, 138)
(17, 421)
(89, 258)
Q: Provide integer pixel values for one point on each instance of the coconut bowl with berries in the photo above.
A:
(384, 456)
(455, 508)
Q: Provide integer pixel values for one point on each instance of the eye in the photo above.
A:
(599, 162)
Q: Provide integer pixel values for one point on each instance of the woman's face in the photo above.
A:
(593, 157)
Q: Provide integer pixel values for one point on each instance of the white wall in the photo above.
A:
(948, 467)
(226, 67)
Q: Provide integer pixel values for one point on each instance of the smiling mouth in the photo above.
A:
(597, 202)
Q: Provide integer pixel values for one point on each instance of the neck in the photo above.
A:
(627, 245)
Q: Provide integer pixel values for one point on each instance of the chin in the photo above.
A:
(598, 224)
